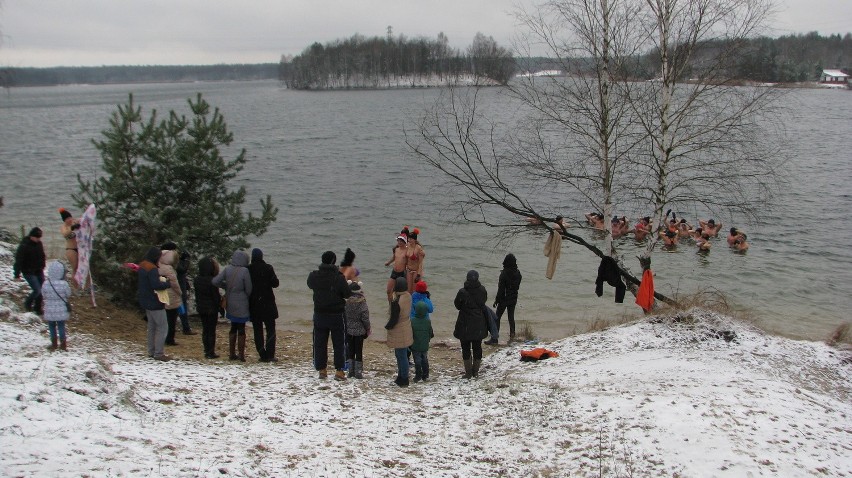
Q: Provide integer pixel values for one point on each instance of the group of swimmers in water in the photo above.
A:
(675, 230)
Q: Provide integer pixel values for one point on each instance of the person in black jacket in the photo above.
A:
(29, 263)
(208, 300)
(507, 294)
(330, 292)
(262, 307)
(149, 282)
(471, 324)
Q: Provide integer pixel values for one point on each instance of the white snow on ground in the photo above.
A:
(664, 397)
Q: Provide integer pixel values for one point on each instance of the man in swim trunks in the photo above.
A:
(399, 259)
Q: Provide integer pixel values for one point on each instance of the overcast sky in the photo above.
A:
(44, 33)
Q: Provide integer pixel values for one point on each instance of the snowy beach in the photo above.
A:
(692, 395)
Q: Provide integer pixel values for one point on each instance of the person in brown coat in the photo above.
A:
(400, 335)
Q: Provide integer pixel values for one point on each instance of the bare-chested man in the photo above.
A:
(710, 227)
(399, 259)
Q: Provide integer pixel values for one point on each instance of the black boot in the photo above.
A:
(468, 369)
(475, 367)
(232, 346)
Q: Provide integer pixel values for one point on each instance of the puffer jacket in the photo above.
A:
(357, 315)
(236, 281)
(400, 334)
(56, 293)
(166, 266)
(421, 297)
(422, 328)
(207, 296)
(471, 323)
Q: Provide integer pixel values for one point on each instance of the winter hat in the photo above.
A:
(421, 287)
(256, 254)
(34, 232)
(401, 285)
(328, 257)
(413, 234)
(169, 246)
(64, 214)
(472, 275)
(510, 261)
(354, 286)
(403, 238)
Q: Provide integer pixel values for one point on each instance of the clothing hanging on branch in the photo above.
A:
(552, 250)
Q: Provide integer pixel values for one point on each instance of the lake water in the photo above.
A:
(337, 166)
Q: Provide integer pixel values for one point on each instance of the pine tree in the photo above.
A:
(166, 180)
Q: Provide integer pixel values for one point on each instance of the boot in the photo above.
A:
(475, 367)
(468, 369)
(350, 365)
(359, 369)
(232, 346)
(401, 382)
(323, 373)
(418, 374)
(241, 347)
(63, 345)
(53, 343)
(340, 376)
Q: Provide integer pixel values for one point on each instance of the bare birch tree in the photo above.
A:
(598, 137)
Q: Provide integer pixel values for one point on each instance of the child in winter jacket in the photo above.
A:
(357, 329)
(421, 326)
(56, 293)
(421, 294)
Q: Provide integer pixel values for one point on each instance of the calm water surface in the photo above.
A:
(337, 166)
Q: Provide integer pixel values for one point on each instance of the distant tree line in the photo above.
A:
(794, 58)
(67, 75)
(378, 62)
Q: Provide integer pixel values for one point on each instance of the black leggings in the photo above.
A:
(355, 347)
(511, 316)
(237, 328)
(467, 345)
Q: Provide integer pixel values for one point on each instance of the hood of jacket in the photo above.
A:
(56, 271)
(206, 267)
(153, 255)
(168, 258)
(240, 258)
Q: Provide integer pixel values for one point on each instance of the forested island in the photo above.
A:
(397, 61)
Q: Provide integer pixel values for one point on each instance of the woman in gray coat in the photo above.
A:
(236, 281)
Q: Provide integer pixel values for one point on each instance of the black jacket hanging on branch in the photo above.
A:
(608, 272)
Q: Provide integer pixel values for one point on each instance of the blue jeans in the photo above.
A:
(35, 282)
(402, 362)
(421, 364)
(56, 326)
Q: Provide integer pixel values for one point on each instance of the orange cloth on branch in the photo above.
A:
(645, 294)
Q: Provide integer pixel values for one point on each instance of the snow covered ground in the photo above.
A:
(695, 395)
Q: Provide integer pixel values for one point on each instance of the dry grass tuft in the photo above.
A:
(840, 335)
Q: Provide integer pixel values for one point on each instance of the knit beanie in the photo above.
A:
(328, 257)
(256, 254)
(401, 285)
(472, 275)
(421, 287)
(64, 214)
